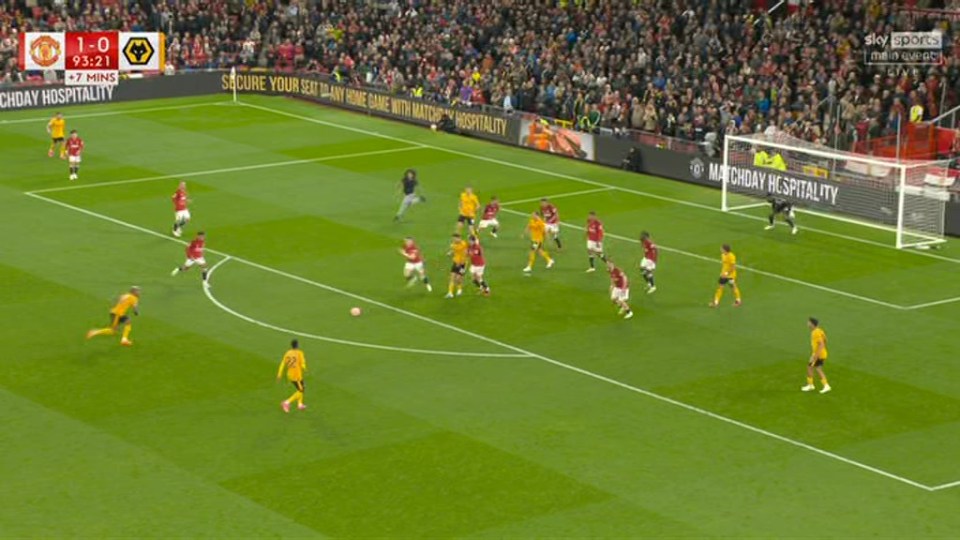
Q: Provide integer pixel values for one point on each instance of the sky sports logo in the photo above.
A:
(904, 49)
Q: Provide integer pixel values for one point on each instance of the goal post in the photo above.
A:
(907, 198)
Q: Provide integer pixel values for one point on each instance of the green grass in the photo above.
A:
(563, 420)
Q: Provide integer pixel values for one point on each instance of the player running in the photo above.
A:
(409, 187)
(489, 219)
(477, 265)
(728, 276)
(195, 257)
(552, 218)
(118, 315)
(619, 290)
(413, 269)
(594, 241)
(74, 149)
(458, 253)
(781, 207)
(56, 127)
(469, 204)
(181, 214)
(649, 263)
(818, 344)
(295, 364)
(536, 230)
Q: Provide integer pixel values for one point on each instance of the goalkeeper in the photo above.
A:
(781, 207)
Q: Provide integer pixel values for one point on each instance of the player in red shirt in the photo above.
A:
(74, 149)
(619, 289)
(552, 218)
(489, 218)
(477, 265)
(594, 241)
(181, 214)
(413, 268)
(649, 262)
(195, 257)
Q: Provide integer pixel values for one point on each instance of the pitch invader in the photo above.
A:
(594, 241)
(181, 214)
(552, 218)
(728, 276)
(469, 204)
(784, 208)
(56, 128)
(409, 188)
(536, 231)
(195, 257)
(619, 290)
(458, 255)
(74, 150)
(489, 218)
(478, 265)
(649, 263)
(413, 269)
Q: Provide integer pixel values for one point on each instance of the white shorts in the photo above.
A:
(553, 228)
(619, 295)
(648, 265)
(477, 271)
(181, 215)
(484, 223)
(594, 247)
(73, 160)
(411, 267)
(190, 262)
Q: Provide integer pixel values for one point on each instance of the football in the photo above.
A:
(355, 311)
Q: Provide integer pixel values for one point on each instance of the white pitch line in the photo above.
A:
(481, 337)
(559, 196)
(747, 268)
(361, 344)
(586, 181)
(945, 486)
(207, 172)
(112, 113)
(934, 303)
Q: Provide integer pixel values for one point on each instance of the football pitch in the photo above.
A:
(533, 412)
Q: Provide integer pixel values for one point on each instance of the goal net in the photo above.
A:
(905, 197)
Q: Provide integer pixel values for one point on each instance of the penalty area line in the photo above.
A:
(338, 341)
(114, 113)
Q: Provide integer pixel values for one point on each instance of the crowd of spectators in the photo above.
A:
(680, 68)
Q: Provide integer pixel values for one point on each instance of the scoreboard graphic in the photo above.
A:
(92, 58)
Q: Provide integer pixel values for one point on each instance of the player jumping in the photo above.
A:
(181, 214)
(619, 290)
(728, 276)
(74, 149)
(413, 269)
(552, 218)
(489, 218)
(195, 257)
(649, 263)
(56, 127)
(594, 241)
(477, 265)
(781, 207)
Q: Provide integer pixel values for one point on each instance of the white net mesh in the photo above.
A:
(839, 185)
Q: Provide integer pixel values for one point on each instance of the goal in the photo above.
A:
(907, 198)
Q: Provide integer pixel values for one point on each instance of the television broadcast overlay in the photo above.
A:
(92, 58)
(904, 49)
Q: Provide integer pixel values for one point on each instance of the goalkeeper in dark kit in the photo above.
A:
(781, 207)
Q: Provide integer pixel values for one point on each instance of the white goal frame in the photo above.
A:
(906, 236)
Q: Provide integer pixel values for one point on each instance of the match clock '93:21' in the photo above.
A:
(92, 50)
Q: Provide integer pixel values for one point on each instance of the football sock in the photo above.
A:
(791, 223)
(809, 381)
(545, 255)
(557, 240)
(426, 280)
(770, 219)
(823, 381)
(293, 397)
(603, 257)
(450, 287)
(300, 398)
(126, 331)
(204, 275)
(477, 283)
(592, 263)
(649, 277)
(736, 292)
(104, 332)
(495, 230)
(718, 295)
(531, 259)
(411, 280)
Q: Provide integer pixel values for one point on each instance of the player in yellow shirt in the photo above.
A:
(57, 128)
(295, 364)
(118, 315)
(728, 276)
(818, 355)
(537, 231)
(458, 253)
(469, 204)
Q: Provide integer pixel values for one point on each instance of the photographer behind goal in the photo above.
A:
(781, 207)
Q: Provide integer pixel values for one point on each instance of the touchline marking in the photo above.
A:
(251, 320)
(584, 180)
(556, 363)
(114, 112)
(754, 270)
(559, 196)
(229, 169)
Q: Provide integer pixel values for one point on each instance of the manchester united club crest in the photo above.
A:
(45, 51)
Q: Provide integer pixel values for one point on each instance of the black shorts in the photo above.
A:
(458, 269)
(58, 139)
(117, 321)
(298, 385)
(817, 363)
(725, 281)
(465, 219)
